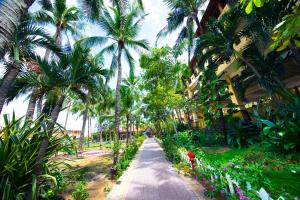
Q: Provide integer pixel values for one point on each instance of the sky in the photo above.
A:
(157, 12)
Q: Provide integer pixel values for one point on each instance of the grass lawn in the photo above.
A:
(278, 168)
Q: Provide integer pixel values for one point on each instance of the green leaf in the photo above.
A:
(267, 122)
(15, 139)
(281, 134)
(50, 177)
(33, 188)
(257, 3)
(267, 130)
(249, 8)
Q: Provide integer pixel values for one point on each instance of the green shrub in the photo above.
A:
(128, 154)
(200, 138)
(282, 135)
(171, 149)
(183, 139)
(80, 192)
(19, 146)
(107, 145)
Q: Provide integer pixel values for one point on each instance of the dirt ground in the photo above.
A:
(96, 175)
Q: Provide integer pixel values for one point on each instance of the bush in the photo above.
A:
(128, 154)
(19, 146)
(200, 138)
(171, 149)
(80, 192)
(182, 139)
(282, 135)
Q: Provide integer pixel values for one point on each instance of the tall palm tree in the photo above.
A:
(72, 73)
(27, 38)
(127, 102)
(96, 62)
(183, 12)
(121, 30)
(59, 15)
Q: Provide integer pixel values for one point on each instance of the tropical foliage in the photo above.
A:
(228, 84)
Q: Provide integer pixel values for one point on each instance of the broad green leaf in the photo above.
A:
(257, 3)
(267, 122)
(249, 8)
(267, 130)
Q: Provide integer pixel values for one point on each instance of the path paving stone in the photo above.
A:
(151, 177)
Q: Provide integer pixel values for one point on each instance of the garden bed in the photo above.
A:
(283, 171)
(237, 173)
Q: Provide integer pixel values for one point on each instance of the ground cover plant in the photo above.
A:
(258, 165)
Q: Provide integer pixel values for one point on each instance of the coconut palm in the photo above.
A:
(127, 102)
(27, 38)
(96, 62)
(121, 32)
(59, 15)
(183, 12)
(180, 11)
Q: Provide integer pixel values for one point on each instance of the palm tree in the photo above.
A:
(96, 62)
(103, 110)
(11, 13)
(127, 102)
(27, 38)
(59, 15)
(121, 30)
(183, 11)
(72, 73)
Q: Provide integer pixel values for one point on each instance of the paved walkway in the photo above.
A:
(151, 177)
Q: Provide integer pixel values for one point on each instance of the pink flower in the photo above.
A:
(225, 168)
(222, 191)
(236, 167)
(230, 163)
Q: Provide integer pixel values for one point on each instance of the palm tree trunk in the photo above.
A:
(39, 106)
(88, 140)
(6, 84)
(118, 94)
(101, 137)
(110, 138)
(11, 13)
(127, 127)
(199, 30)
(31, 105)
(67, 117)
(85, 115)
(44, 144)
(57, 41)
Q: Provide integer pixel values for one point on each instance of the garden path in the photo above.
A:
(151, 177)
